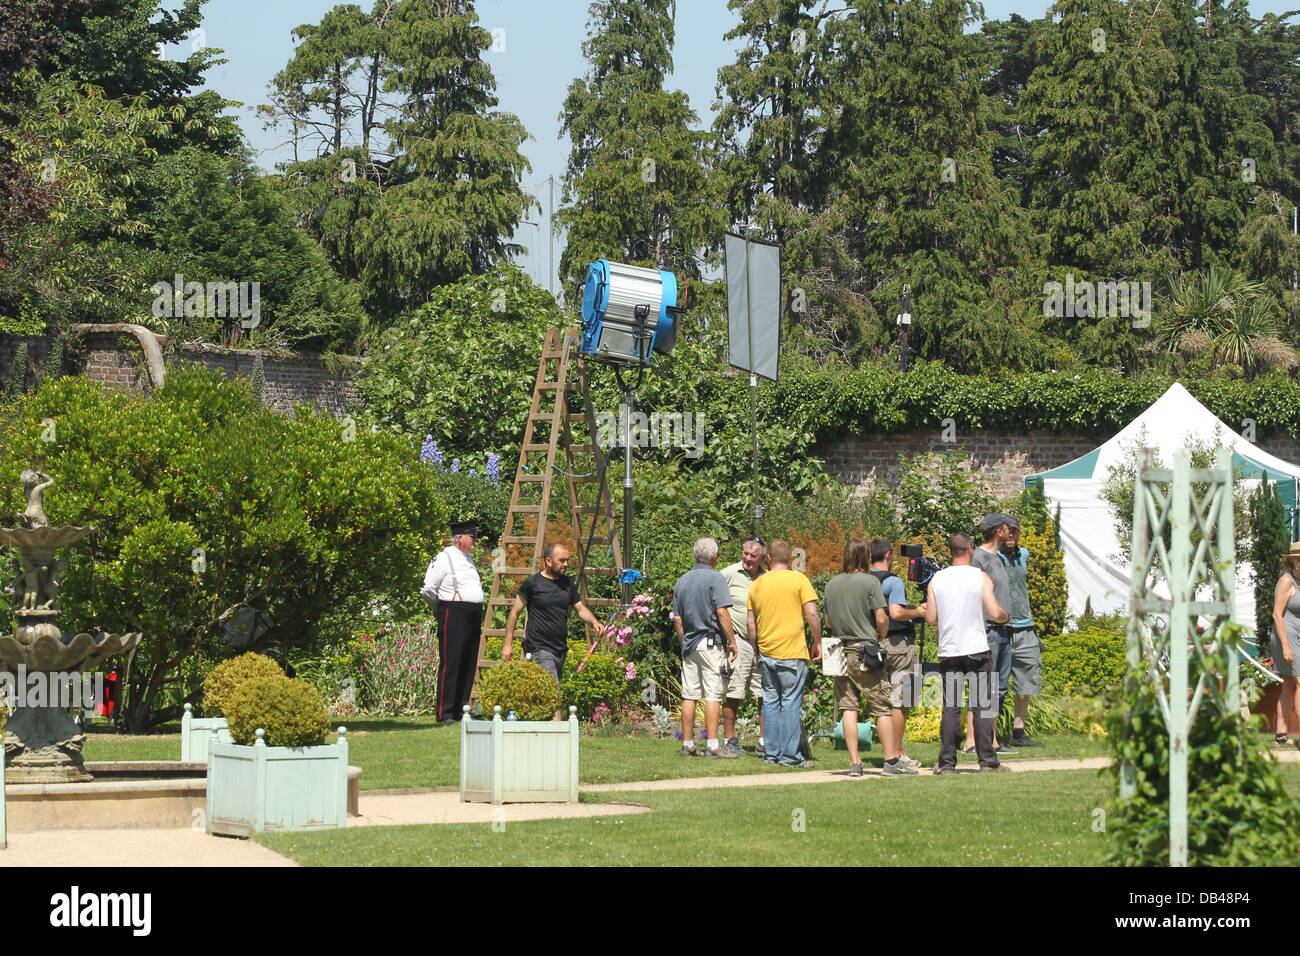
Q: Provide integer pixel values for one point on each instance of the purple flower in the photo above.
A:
(430, 451)
(473, 473)
(493, 467)
(678, 735)
(455, 466)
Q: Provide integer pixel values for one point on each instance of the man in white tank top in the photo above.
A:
(960, 597)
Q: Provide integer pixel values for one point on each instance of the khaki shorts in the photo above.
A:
(904, 673)
(1027, 662)
(745, 672)
(871, 687)
(702, 673)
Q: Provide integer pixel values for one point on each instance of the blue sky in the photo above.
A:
(542, 55)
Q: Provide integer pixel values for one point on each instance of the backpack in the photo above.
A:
(904, 629)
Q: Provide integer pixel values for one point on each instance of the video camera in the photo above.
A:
(920, 569)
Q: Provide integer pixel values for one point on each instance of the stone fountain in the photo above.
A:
(43, 743)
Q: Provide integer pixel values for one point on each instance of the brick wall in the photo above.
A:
(117, 359)
(1006, 459)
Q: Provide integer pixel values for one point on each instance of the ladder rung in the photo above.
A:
(537, 447)
(526, 509)
(541, 416)
(589, 509)
(518, 539)
(486, 663)
(571, 387)
(600, 570)
(530, 478)
(501, 601)
(514, 572)
(601, 602)
(584, 449)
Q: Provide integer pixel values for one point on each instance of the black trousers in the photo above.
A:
(956, 672)
(459, 625)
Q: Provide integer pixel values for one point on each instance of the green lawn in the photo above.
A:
(398, 753)
(1038, 819)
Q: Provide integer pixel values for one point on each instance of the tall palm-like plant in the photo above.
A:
(1221, 310)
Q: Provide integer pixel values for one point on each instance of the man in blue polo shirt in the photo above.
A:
(701, 600)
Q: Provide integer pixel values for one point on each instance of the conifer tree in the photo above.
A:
(640, 186)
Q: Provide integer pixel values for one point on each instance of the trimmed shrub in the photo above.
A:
(1045, 579)
(290, 711)
(230, 674)
(521, 686)
(1091, 658)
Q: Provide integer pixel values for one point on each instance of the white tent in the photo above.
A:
(1095, 570)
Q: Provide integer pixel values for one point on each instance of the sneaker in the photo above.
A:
(1005, 750)
(689, 751)
(898, 769)
(995, 769)
(1022, 741)
(722, 753)
(911, 762)
(940, 771)
(758, 750)
(855, 770)
(732, 746)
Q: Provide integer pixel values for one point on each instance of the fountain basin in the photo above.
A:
(125, 795)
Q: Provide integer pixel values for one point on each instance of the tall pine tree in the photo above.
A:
(914, 199)
(640, 186)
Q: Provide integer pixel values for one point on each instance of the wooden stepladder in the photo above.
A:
(561, 416)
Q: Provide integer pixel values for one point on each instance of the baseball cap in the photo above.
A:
(994, 519)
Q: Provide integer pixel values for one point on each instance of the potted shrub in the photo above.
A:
(278, 774)
(196, 732)
(531, 759)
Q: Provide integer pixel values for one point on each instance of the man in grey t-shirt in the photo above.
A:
(997, 529)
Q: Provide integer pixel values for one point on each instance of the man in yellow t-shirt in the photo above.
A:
(780, 602)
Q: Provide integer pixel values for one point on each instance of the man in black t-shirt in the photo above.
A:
(547, 596)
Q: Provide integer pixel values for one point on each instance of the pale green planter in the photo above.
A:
(519, 761)
(251, 789)
(197, 732)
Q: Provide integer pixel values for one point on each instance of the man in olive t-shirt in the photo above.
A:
(856, 615)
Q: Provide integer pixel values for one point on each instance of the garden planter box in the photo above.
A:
(251, 789)
(1267, 705)
(519, 761)
(196, 732)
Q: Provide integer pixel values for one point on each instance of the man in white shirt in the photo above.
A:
(960, 598)
(453, 581)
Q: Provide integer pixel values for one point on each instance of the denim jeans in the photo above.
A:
(1000, 650)
(783, 682)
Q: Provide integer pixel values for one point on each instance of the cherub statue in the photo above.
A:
(50, 583)
(32, 583)
(35, 482)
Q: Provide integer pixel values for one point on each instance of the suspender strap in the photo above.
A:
(451, 566)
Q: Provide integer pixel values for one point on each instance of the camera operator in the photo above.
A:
(960, 597)
(900, 643)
